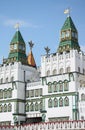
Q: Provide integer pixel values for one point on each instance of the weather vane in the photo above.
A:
(47, 50)
(67, 11)
(17, 25)
(31, 44)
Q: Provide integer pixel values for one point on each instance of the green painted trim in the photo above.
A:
(19, 114)
(34, 100)
(52, 95)
(12, 100)
(59, 95)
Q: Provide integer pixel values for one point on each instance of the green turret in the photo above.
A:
(17, 49)
(68, 37)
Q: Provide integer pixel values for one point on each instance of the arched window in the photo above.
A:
(36, 106)
(55, 87)
(31, 107)
(48, 72)
(12, 78)
(82, 97)
(61, 71)
(66, 101)
(61, 87)
(9, 93)
(41, 106)
(66, 86)
(9, 107)
(54, 71)
(1, 94)
(1, 108)
(55, 102)
(68, 69)
(50, 103)
(7, 80)
(60, 101)
(5, 108)
(5, 93)
(27, 107)
(49, 87)
(78, 69)
(1, 80)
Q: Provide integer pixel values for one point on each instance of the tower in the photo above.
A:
(68, 36)
(17, 49)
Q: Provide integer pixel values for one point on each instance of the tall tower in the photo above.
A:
(17, 49)
(68, 37)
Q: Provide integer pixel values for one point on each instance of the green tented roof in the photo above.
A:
(17, 38)
(68, 25)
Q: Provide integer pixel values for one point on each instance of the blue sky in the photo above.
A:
(41, 22)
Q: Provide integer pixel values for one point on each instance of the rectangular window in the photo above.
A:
(36, 93)
(40, 91)
(27, 93)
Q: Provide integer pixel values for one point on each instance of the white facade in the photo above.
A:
(53, 93)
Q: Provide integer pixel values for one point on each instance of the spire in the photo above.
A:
(68, 36)
(68, 24)
(30, 58)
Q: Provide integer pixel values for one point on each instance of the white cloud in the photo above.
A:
(22, 23)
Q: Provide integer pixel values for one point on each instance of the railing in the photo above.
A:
(64, 125)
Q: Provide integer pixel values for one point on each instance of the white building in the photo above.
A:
(53, 92)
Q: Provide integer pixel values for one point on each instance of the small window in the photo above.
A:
(5, 108)
(9, 93)
(68, 69)
(61, 71)
(41, 106)
(55, 102)
(27, 93)
(5, 93)
(36, 93)
(54, 71)
(31, 107)
(78, 69)
(7, 80)
(1, 94)
(49, 87)
(61, 87)
(55, 87)
(66, 86)
(82, 97)
(61, 102)
(36, 106)
(50, 103)
(66, 101)
(48, 72)
(12, 78)
(9, 107)
(27, 107)
(40, 91)
(1, 108)
(1, 80)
